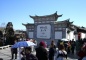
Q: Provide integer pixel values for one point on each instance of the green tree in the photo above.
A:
(9, 34)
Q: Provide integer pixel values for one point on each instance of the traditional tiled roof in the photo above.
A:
(67, 21)
(80, 29)
(55, 15)
(27, 24)
(64, 21)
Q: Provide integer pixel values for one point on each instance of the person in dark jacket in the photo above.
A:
(73, 46)
(41, 52)
(14, 52)
(52, 51)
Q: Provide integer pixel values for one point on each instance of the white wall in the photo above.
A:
(83, 35)
(70, 36)
(67, 35)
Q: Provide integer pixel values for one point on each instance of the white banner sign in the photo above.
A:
(44, 31)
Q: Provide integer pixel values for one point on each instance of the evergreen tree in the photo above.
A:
(9, 34)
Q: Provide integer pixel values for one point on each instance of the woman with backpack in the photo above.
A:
(61, 53)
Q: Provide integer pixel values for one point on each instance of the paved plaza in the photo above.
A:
(6, 55)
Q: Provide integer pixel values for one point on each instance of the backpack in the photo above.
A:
(62, 54)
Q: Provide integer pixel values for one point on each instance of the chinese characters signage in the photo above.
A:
(44, 31)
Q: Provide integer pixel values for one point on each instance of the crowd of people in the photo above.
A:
(64, 49)
(77, 47)
(41, 52)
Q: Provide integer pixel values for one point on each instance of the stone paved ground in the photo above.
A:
(6, 55)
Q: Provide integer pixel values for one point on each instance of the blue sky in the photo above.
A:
(18, 11)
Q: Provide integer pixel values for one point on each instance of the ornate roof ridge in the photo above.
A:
(54, 14)
(66, 20)
(27, 24)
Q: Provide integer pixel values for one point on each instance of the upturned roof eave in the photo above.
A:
(55, 14)
(27, 24)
